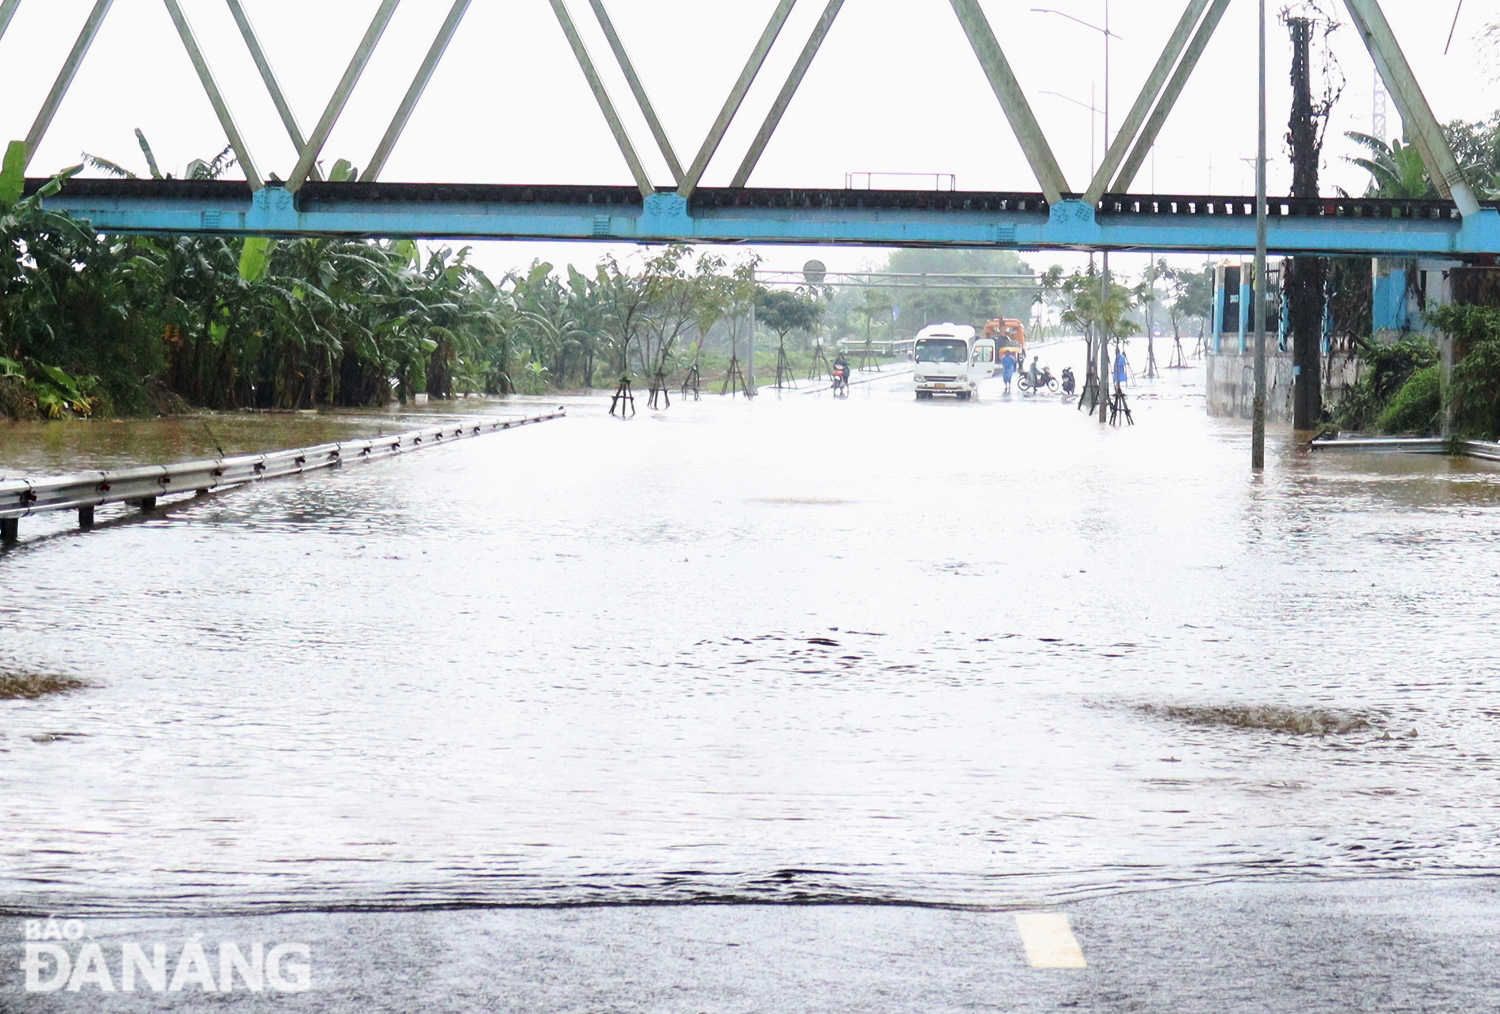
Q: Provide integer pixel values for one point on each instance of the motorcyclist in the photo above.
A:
(1034, 372)
(841, 364)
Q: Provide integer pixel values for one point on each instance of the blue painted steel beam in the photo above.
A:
(801, 217)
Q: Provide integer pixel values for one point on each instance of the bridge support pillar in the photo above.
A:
(86, 517)
(10, 530)
(1247, 296)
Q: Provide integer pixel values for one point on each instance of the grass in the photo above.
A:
(1273, 718)
(22, 686)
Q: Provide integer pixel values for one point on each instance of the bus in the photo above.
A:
(951, 359)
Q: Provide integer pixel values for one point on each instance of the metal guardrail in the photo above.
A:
(879, 347)
(1410, 445)
(1413, 445)
(85, 491)
(1481, 449)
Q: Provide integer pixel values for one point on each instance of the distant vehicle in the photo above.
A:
(1008, 333)
(951, 359)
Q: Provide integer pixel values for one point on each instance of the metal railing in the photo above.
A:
(878, 346)
(142, 485)
(1483, 449)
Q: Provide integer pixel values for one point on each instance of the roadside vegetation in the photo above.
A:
(1399, 391)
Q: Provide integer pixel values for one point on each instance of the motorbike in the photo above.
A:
(1045, 381)
(1069, 385)
(840, 375)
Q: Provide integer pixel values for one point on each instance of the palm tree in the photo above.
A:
(1396, 170)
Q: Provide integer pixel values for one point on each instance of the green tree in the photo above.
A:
(953, 294)
(788, 310)
(622, 300)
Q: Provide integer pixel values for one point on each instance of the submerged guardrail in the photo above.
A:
(1413, 445)
(142, 485)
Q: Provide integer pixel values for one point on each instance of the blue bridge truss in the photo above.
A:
(1407, 228)
(1104, 215)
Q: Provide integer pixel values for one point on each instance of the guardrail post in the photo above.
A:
(148, 503)
(10, 530)
(86, 516)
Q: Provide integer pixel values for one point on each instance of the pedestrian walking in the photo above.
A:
(1007, 366)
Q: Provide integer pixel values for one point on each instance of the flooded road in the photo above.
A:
(977, 654)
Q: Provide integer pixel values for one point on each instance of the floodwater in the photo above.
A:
(801, 649)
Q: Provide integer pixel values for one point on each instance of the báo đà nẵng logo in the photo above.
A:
(61, 955)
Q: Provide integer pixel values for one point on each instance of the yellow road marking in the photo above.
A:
(1049, 940)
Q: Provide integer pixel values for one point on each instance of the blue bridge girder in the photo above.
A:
(1025, 221)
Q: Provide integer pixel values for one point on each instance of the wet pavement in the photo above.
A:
(1364, 947)
(985, 655)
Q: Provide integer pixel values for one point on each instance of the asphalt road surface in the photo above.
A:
(1372, 945)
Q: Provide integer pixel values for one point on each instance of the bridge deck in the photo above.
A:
(1205, 223)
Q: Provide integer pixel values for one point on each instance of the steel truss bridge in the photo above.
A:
(1103, 216)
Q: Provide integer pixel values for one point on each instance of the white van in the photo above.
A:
(951, 359)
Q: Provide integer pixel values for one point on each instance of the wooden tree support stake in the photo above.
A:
(659, 397)
(691, 383)
(820, 365)
(622, 398)
(784, 374)
(734, 380)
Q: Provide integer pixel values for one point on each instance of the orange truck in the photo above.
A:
(1008, 333)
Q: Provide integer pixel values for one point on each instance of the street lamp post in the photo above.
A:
(1258, 411)
(1095, 110)
(1104, 276)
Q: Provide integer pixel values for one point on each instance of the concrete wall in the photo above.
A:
(1231, 383)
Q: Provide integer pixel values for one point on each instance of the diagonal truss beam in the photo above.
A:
(65, 77)
(736, 96)
(314, 146)
(7, 11)
(1012, 99)
(1152, 130)
(601, 95)
(215, 97)
(1427, 134)
(784, 99)
(1150, 92)
(414, 93)
(638, 90)
(263, 65)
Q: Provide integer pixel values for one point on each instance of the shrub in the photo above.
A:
(1415, 408)
(1387, 369)
(1476, 375)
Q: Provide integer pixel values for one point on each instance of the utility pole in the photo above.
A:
(750, 388)
(1151, 312)
(1304, 289)
(1104, 372)
(1257, 292)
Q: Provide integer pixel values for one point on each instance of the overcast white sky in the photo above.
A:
(895, 88)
